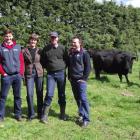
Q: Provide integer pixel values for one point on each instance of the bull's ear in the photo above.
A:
(90, 51)
(134, 57)
(122, 57)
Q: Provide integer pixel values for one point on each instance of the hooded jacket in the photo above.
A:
(11, 59)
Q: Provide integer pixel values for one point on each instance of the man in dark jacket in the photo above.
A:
(54, 60)
(11, 69)
(78, 71)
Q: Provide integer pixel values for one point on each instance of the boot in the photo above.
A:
(62, 113)
(44, 116)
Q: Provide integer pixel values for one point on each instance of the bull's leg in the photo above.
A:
(126, 76)
(120, 76)
(97, 74)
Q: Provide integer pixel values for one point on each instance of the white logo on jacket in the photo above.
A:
(5, 50)
(15, 49)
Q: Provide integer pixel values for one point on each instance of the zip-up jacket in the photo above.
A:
(11, 59)
(29, 64)
(79, 65)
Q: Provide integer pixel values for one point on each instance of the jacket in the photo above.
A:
(29, 65)
(78, 65)
(11, 59)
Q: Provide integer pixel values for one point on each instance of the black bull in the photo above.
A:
(112, 61)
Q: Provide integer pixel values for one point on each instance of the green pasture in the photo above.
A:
(114, 113)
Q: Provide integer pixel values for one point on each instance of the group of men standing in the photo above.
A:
(29, 63)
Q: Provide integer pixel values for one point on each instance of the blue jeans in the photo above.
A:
(53, 78)
(30, 93)
(6, 82)
(80, 95)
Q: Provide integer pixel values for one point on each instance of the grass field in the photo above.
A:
(114, 113)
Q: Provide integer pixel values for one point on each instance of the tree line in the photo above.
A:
(101, 26)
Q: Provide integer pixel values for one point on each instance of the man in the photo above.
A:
(11, 69)
(78, 71)
(54, 60)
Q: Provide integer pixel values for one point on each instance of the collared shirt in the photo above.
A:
(55, 46)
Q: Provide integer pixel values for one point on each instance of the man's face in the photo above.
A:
(76, 43)
(33, 42)
(8, 38)
(54, 40)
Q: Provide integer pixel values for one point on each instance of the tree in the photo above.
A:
(103, 26)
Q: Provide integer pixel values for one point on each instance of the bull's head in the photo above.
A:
(129, 62)
(92, 51)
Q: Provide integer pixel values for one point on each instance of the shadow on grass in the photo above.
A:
(130, 84)
(102, 79)
(138, 101)
(133, 84)
(53, 113)
(9, 112)
(57, 115)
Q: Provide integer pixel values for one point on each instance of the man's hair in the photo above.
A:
(7, 31)
(34, 36)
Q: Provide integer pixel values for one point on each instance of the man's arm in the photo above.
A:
(87, 65)
(21, 59)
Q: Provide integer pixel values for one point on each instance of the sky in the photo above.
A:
(134, 3)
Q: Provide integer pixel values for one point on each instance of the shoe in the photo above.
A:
(63, 117)
(85, 124)
(44, 116)
(1, 123)
(1, 119)
(44, 120)
(19, 119)
(39, 117)
(62, 113)
(31, 118)
(79, 120)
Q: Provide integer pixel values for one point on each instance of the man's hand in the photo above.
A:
(81, 81)
(5, 74)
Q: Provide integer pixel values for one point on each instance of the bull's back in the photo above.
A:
(104, 60)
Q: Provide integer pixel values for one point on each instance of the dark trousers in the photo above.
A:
(6, 82)
(80, 95)
(38, 81)
(53, 78)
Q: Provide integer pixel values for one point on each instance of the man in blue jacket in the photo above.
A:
(78, 71)
(12, 70)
